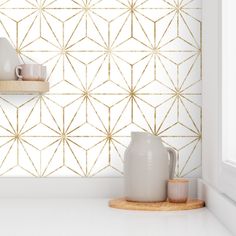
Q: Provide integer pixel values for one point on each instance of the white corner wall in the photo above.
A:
(209, 188)
(210, 150)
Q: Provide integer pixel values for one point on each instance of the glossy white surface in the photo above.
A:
(89, 217)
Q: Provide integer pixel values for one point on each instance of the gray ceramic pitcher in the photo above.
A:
(147, 168)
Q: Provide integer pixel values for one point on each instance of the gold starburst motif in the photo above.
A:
(114, 66)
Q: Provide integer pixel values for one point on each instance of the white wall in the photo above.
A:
(110, 73)
(210, 151)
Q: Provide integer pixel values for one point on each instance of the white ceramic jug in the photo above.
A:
(147, 168)
(8, 60)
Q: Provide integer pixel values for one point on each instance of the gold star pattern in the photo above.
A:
(114, 66)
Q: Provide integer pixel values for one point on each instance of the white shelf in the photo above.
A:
(23, 87)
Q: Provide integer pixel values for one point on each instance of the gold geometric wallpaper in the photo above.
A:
(114, 66)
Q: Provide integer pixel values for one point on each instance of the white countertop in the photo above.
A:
(88, 217)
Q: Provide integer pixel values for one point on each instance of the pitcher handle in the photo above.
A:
(172, 165)
(18, 72)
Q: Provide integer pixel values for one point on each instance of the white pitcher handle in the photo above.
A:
(172, 165)
(18, 71)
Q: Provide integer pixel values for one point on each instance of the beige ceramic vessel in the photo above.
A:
(178, 190)
(31, 72)
(8, 60)
(147, 168)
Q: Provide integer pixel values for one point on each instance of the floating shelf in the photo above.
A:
(23, 87)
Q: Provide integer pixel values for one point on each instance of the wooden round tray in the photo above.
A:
(121, 203)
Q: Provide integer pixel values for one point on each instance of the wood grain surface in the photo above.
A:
(121, 203)
(18, 86)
